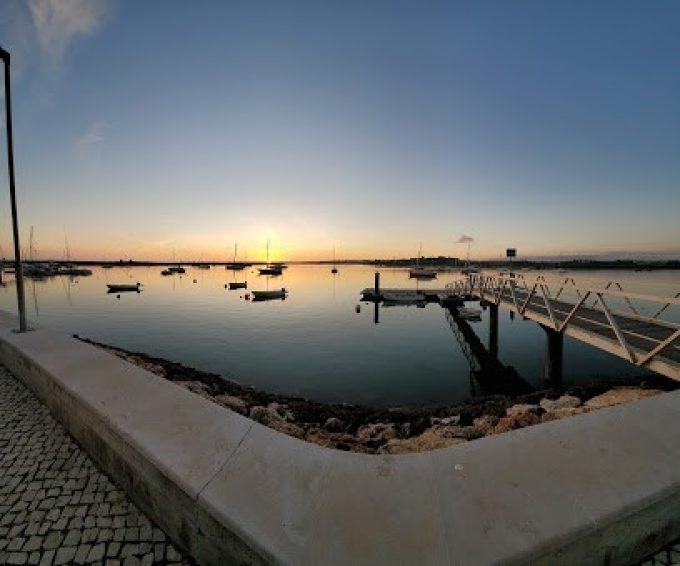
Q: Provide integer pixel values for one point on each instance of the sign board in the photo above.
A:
(511, 252)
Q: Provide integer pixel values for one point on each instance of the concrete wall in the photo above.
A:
(599, 488)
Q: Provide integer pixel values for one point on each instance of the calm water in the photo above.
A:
(314, 343)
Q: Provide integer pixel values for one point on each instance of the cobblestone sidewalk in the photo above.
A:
(56, 507)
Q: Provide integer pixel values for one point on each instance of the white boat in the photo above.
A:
(468, 313)
(268, 295)
(123, 287)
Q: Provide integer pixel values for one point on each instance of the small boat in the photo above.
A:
(269, 295)
(236, 265)
(419, 272)
(74, 271)
(468, 313)
(106, 266)
(335, 268)
(238, 285)
(470, 270)
(422, 273)
(124, 287)
(202, 266)
(271, 268)
(176, 269)
(166, 272)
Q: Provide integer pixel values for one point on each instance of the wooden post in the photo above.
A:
(553, 355)
(376, 298)
(493, 330)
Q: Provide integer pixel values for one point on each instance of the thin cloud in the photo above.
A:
(88, 146)
(465, 239)
(57, 22)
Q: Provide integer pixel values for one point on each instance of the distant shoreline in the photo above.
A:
(435, 263)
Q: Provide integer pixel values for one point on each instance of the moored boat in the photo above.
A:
(268, 295)
(238, 285)
(122, 288)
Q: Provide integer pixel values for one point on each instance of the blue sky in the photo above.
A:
(143, 127)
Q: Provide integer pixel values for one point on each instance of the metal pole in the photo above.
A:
(18, 269)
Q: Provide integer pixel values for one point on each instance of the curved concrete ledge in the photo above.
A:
(598, 488)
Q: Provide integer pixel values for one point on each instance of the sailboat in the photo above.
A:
(335, 269)
(271, 269)
(469, 269)
(419, 272)
(69, 268)
(236, 265)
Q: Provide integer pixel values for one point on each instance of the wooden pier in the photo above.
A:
(645, 341)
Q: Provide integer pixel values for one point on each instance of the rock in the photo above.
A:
(281, 410)
(377, 433)
(466, 432)
(271, 418)
(288, 428)
(258, 413)
(233, 403)
(485, 423)
(516, 420)
(619, 395)
(196, 387)
(265, 415)
(523, 408)
(333, 424)
(429, 440)
(340, 440)
(563, 402)
(448, 421)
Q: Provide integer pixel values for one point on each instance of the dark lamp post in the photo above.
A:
(18, 270)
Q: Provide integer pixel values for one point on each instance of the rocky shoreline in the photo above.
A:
(381, 430)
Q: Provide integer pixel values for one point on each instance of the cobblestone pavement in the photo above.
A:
(56, 507)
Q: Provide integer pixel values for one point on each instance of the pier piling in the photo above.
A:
(493, 330)
(553, 355)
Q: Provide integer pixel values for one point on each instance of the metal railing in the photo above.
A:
(591, 306)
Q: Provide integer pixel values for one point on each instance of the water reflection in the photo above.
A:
(315, 343)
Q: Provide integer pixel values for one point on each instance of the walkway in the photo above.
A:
(56, 507)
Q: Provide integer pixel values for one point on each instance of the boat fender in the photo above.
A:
(225, 286)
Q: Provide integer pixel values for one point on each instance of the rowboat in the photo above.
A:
(123, 287)
(268, 295)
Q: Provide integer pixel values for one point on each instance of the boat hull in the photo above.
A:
(269, 295)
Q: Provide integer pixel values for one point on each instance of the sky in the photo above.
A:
(147, 129)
